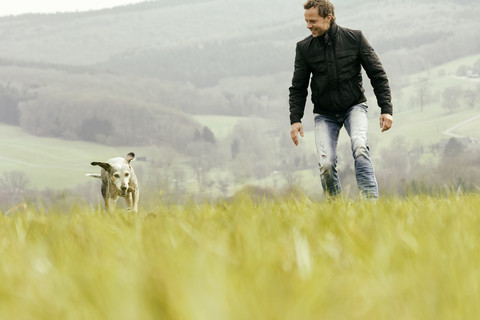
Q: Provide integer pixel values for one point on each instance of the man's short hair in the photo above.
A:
(325, 7)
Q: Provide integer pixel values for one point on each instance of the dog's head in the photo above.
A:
(119, 172)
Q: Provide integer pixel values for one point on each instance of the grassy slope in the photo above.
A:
(427, 125)
(284, 259)
(221, 126)
(55, 163)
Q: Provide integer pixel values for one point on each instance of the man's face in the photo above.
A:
(315, 23)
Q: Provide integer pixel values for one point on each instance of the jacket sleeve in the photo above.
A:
(378, 77)
(299, 88)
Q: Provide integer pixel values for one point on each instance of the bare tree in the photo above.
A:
(423, 90)
(13, 184)
(471, 97)
(451, 97)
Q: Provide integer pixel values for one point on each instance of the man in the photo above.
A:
(333, 57)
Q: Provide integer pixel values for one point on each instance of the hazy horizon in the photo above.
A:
(20, 7)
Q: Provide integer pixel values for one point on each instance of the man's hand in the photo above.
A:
(386, 121)
(296, 128)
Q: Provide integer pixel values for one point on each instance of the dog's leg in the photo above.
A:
(128, 200)
(108, 205)
(132, 200)
(135, 196)
(110, 200)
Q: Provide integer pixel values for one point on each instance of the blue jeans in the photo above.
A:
(327, 129)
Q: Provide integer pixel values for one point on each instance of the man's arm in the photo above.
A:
(299, 88)
(298, 95)
(378, 77)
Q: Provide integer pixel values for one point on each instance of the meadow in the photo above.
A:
(245, 258)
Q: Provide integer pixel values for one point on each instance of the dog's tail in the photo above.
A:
(94, 175)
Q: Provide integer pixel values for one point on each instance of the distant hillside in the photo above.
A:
(93, 37)
(204, 40)
(83, 75)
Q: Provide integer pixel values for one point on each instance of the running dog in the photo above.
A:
(118, 179)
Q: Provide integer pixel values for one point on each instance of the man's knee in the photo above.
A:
(327, 166)
(360, 148)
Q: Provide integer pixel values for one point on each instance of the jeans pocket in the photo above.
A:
(362, 106)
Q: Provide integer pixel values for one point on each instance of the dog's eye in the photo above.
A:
(116, 175)
(127, 174)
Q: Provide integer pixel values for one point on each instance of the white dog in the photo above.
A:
(118, 179)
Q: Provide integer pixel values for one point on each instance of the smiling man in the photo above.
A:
(330, 60)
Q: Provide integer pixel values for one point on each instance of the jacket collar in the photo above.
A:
(331, 35)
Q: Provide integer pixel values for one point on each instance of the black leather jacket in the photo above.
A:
(335, 62)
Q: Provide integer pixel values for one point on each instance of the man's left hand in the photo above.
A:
(386, 121)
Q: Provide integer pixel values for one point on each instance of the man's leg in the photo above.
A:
(356, 124)
(326, 138)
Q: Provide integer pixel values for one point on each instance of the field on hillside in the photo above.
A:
(285, 258)
(56, 163)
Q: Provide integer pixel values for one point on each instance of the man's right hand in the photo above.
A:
(296, 128)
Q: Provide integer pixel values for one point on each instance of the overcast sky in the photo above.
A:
(15, 7)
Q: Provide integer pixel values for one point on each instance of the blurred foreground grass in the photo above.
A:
(415, 258)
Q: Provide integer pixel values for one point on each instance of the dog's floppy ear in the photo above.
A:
(104, 165)
(130, 157)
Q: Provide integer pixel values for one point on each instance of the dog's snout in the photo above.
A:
(124, 188)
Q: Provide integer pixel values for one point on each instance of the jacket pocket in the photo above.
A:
(355, 89)
(317, 64)
(346, 58)
(351, 93)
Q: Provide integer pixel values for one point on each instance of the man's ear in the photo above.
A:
(105, 166)
(329, 18)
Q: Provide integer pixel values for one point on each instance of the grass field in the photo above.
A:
(221, 126)
(56, 163)
(287, 258)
